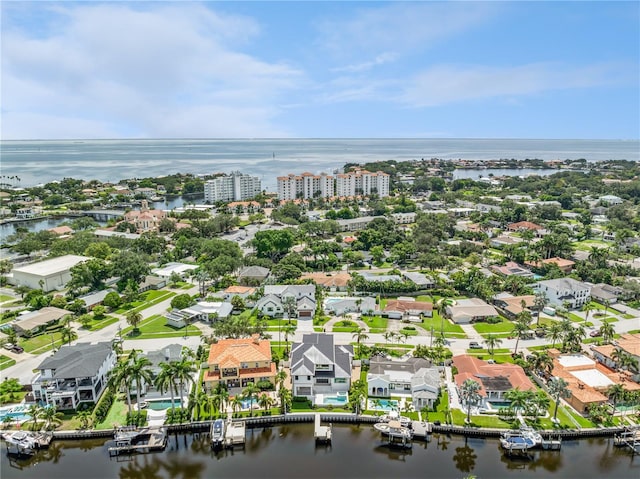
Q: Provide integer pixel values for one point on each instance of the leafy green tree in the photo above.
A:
(99, 311)
(129, 267)
(181, 301)
(85, 320)
(67, 334)
(273, 244)
(112, 300)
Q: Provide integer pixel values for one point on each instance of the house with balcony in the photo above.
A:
(237, 362)
(565, 290)
(74, 375)
(320, 368)
(275, 296)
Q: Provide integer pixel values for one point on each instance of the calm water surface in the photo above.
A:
(357, 452)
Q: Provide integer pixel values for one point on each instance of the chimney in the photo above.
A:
(256, 338)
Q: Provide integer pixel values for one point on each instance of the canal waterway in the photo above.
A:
(357, 452)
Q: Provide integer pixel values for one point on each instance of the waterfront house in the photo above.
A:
(494, 379)
(319, 367)
(238, 362)
(465, 311)
(569, 290)
(169, 353)
(74, 375)
(588, 380)
(413, 378)
(304, 295)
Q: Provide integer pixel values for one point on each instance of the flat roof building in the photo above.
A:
(52, 274)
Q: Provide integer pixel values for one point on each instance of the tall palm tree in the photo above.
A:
(67, 334)
(165, 380)
(289, 330)
(556, 331)
(140, 372)
(519, 329)
(201, 404)
(492, 341)
(558, 388)
(221, 396)
(119, 379)
(285, 399)
(586, 309)
(615, 392)
(519, 399)
(470, 395)
(134, 318)
(541, 361)
(265, 402)
(249, 392)
(607, 331)
(360, 336)
(236, 403)
(539, 303)
(184, 371)
(51, 417)
(35, 413)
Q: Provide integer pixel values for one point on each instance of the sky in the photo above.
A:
(544, 69)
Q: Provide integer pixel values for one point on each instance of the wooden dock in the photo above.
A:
(552, 443)
(630, 438)
(421, 429)
(321, 433)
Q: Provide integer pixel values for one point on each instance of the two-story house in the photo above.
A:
(320, 369)
(74, 375)
(565, 290)
(275, 296)
(238, 362)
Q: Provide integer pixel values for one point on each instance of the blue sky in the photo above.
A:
(320, 69)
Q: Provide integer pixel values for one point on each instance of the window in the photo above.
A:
(296, 378)
(341, 380)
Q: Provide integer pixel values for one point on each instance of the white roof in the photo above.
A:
(169, 268)
(573, 360)
(593, 378)
(52, 266)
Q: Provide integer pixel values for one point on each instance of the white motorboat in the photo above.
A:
(21, 442)
(217, 432)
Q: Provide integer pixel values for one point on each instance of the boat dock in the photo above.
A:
(321, 433)
(133, 440)
(630, 438)
(235, 434)
(552, 443)
(421, 429)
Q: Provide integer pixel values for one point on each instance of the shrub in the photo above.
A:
(265, 385)
(136, 418)
(102, 408)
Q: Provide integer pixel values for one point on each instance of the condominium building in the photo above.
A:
(305, 186)
(234, 187)
(362, 182)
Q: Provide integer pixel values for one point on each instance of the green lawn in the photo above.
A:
(500, 356)
(41, 343)
(280, 324)
(410, 332)
(502, 329)
(117, 415)
(586, 245)
(156, 327)
(148, 299)
(6, 362)
(377, 324)
(4, 297)
(450, 329)
(97, 324)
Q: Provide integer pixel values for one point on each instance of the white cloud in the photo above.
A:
(159, 70)
(400, 27)
(364, 66)
(440, 85)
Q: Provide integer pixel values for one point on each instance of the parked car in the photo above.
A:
(17, 349)
(9, 346)
(595, 333)
(474, 345)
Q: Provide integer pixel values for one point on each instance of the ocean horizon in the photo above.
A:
(40, 161)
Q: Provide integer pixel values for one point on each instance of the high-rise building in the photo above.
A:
(362, 183)
(234, 187)
(305, 186)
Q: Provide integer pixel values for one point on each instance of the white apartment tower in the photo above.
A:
(234, 187)
(305, 186)
(362, 182)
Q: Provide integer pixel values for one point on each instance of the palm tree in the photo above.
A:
(470, 395)
(119, 379)
(249, 392)
(556, 331)
(519, 329)
(539, 303)
(265, 402)
(387, 336)
(35, 413)
(539, 403)
(285, 399)
(615, 392)
(289, 330)
(221, 397)
(67, 334)
(183, 375)
(541, 361)
(607, 331)
(519, 399)
(492, 341)
(587, 308)
(140, 372)
(236, 403)
(360, 335)
(558, 388)
(85, 419)
(201, 402)
(134, 318)
(165, 380)
(357, 393)
(51, 417)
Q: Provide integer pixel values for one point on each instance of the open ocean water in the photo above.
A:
(36, 162)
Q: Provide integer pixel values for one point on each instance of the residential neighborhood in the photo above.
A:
(395, 298)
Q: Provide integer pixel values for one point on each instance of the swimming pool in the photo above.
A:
(339, 399)
(18, 413)
(163, 404)
(246, 403)
(384, 405)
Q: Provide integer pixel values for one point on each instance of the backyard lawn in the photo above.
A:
(117, 415)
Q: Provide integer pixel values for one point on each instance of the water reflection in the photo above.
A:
(465, 458)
